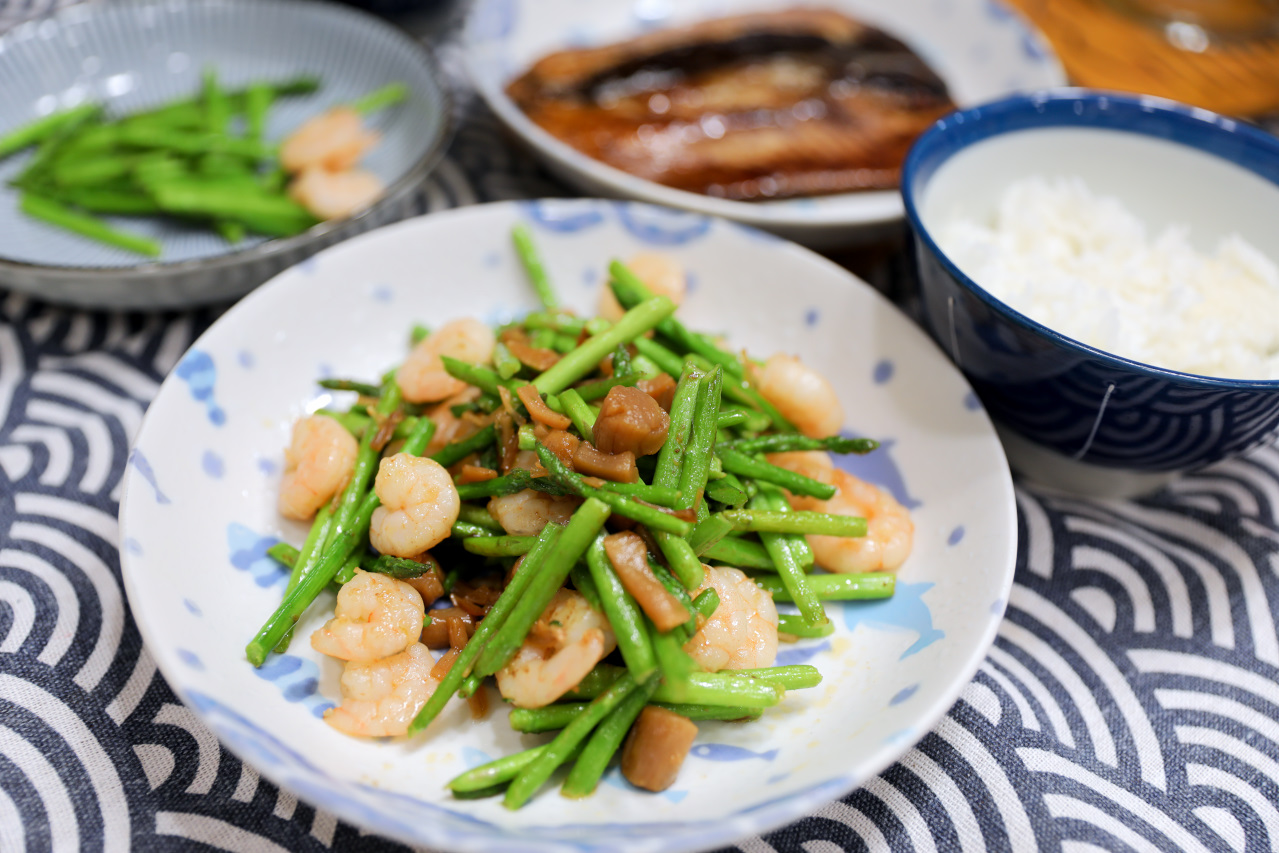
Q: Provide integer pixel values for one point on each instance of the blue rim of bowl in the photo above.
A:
(1215, 135)
(395, 193)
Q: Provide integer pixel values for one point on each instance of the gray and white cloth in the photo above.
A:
(1130, 700)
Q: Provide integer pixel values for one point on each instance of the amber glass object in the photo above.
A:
(1219, 54)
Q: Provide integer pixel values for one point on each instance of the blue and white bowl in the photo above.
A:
(1070, 414)
(131, 56)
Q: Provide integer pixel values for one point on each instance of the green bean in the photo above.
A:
(599, 389)
(629, 291)
(309, 555)
(722, 688)
(728, 490)
(670, 459)
(75, 173)
(708, 532)
(659, 495)
(528, 254)
(697, 456)
(664, 358)
(489, 626)
(536, 773)
(257, 103)
(794, 677)
(498, 546)
(581, 361)
(736, 462)
(464, 529)
(284, 554)
(580, 413)
(730, 418)
(397, 567)
(499, 772)
(650, 516)
(545, 719)
(104, 199)
(364, 389)
(796, 626)
(85, 225)
(677, 665)
(217, 108)
(852, 587)
(741, 553)
(731, 713)
(387, 96)
(506, 364)
(796, 521)
(45, 127)
(585, 584)
(578, 535)
(459, 450)
(682, 558)
(508, 484)
(797, 584)
(604, 743)
(788, 442)
(753, 419)
(270, 214)
(634, 640)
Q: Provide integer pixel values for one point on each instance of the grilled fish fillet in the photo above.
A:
(760, 106)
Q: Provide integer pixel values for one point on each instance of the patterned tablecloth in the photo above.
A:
(1130, 701)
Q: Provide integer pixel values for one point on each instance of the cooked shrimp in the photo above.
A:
(333, 140)
(423, 378)
(889, 530)
(419, 505)
(659, 273)
(742, 634)
(563, 646)
(381, 698)
(317, 464)
(376, 616)
(801, 394)
(334, 195)
(526, 513)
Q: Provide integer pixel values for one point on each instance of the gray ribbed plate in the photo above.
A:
(136, 54)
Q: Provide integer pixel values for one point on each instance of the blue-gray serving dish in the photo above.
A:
(136, 54)
(1070, 414)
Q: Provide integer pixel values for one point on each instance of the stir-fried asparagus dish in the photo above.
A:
(203, 160)
(598, 514)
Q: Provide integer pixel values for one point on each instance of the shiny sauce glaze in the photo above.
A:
(753, 107)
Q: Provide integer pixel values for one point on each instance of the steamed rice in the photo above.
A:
(1083, 266)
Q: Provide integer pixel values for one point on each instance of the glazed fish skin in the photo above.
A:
(770, 105)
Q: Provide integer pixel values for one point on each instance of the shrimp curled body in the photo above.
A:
(423, 378)
(334, 195)
(801, 394)
(742, 633)
(889, 535)
(317, 464)
(563, 646)
(376, 616)
(381, 698)
(334, 140)
(419, 505)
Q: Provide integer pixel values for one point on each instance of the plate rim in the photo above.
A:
(770, 814)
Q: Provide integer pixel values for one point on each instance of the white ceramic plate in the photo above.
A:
(199, 511)
(979, 47)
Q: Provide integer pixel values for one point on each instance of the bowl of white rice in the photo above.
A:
(1105, 270)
